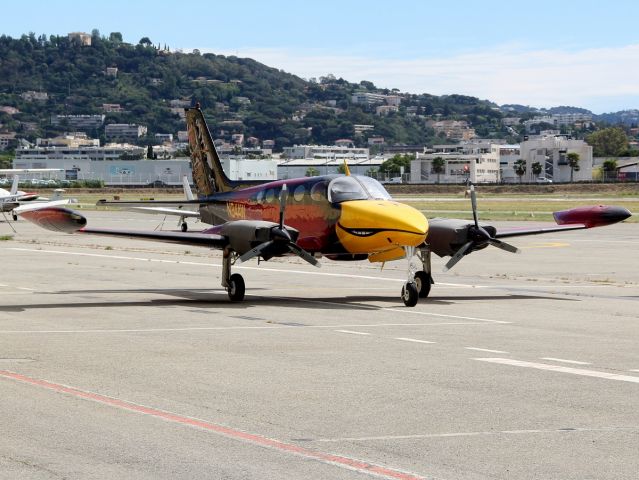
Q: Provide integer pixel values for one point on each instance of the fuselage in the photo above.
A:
(336, 215)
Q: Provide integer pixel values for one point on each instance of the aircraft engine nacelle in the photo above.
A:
(244, 235)
(446, 236)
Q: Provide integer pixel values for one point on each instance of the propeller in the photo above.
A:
(478, 236)
(280, 237)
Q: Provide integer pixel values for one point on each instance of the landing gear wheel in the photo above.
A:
(410, 295)
(423, 283)
(15, 217)
(184, 227)
(236, 288)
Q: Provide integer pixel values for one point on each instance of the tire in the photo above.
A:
(236, 288)
(410, 295)
(184, 227)
(423, 283)
(15, 217)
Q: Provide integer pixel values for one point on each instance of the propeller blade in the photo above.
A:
(504, 246)
(473, 203)
(283, 199)
(457, 257)
(304, 255)
(254, 252)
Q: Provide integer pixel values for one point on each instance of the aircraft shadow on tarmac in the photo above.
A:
(206, 299)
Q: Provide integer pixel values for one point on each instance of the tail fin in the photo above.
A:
(14, 187)
(208, 174)
(187, 188)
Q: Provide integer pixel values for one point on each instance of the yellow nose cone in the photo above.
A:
(371, 226)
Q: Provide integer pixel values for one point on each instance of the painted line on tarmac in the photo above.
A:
(352, 332)
(285, 270)
(199, 329)
(484, 350)
(563, 360)
(556, 368)
(414, 340)
(477, 434)
(359, 466)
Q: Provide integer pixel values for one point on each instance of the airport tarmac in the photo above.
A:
(125, 359)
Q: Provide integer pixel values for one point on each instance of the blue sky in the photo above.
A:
(583, 53)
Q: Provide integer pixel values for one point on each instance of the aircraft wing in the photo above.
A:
(166, 211)
(59, 219)
(447, 236)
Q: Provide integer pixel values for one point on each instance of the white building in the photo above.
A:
(127, 131)
(79, 122)
(551, 151)
(325, 152)
(477, 162)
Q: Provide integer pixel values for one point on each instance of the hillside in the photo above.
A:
(251, 98)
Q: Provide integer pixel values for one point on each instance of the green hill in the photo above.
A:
(249, 97)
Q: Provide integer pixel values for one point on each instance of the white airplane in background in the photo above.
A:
(16, 201)
(181, 212)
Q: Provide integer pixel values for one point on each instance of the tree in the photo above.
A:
(145, 41)
(573, 162)
(439, 164)
(149, 152)
(115, 37)
(536, 169)
(609, 166)
(520, 168)
(608, 142)
(395, 164)
(312, 172)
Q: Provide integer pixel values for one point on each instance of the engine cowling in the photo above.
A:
(244, 235)
(446, 236)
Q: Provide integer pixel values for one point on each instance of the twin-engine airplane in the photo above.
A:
(340, 217)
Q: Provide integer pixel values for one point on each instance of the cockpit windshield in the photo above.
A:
(355, 187)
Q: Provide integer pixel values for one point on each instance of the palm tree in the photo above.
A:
(573, 162)
(439, 165)
(520, 168)
(536, 169)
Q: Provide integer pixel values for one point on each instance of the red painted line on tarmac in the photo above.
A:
(252, 438)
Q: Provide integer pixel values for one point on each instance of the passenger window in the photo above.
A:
(260, 196)
(270, 195)
(299, 192)
(318, 191)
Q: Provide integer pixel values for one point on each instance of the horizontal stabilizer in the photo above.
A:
(166, 211)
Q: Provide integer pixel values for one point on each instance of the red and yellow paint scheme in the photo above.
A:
(341, 217)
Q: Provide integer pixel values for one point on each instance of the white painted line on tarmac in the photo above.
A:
(636, 370)
(238, 327)
(475, 434)
(484, 350)
(556, 368)
(413, 340)
(563, 360)
(352, 332)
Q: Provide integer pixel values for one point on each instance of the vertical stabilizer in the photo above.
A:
(187, 188)
(208, 174)
(14, 186)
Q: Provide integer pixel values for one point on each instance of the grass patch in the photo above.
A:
(6, 237)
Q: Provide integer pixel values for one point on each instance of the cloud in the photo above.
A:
(602, 79)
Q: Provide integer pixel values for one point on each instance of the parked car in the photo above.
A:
(543, 180)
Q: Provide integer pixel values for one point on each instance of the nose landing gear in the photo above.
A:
(419, 281)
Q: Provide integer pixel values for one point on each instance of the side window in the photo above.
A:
(299, 192)
(270, 195)
(260, 196)
(318, 191)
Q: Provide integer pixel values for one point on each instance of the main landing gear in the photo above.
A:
(234, 284)
(419, 281)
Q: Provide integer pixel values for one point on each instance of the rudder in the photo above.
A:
(208, 174)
